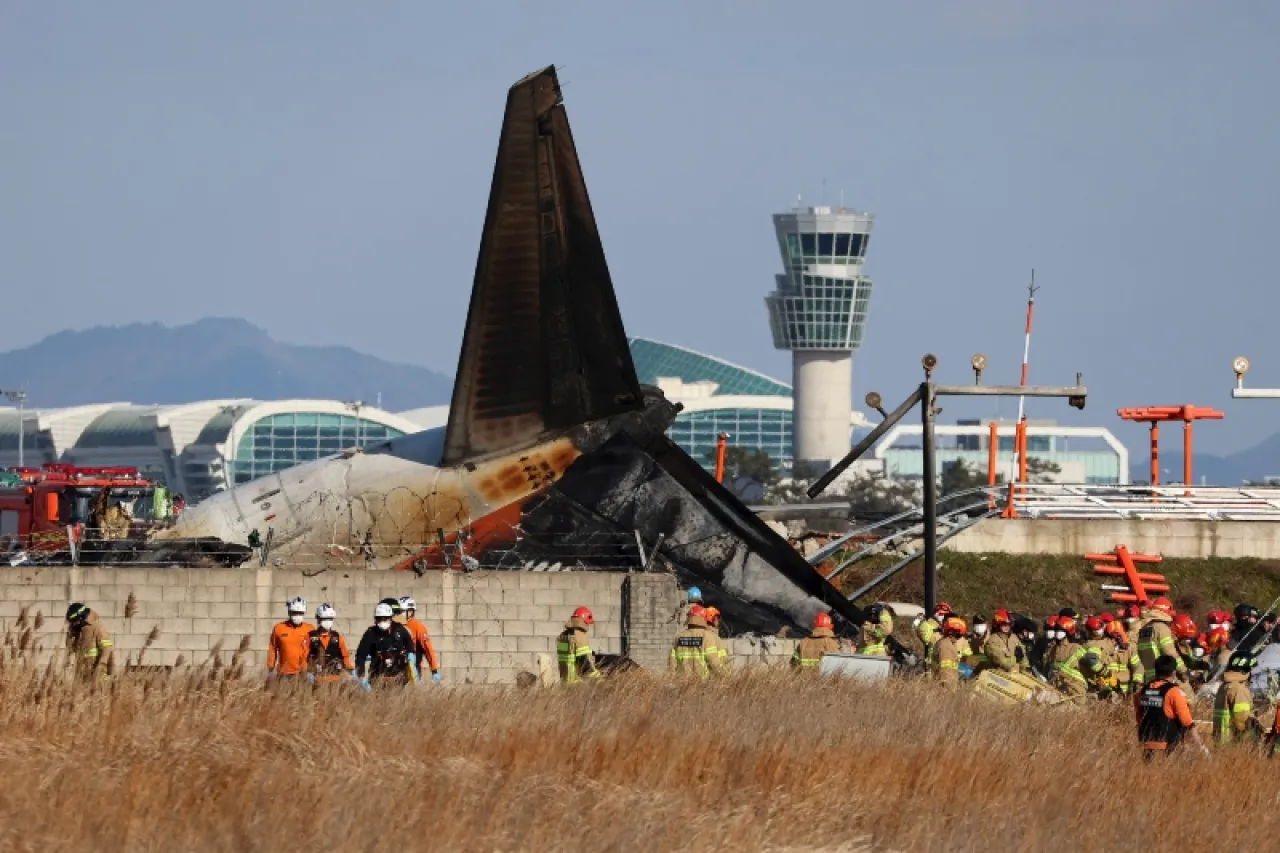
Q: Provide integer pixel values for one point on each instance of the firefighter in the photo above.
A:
(287, 649)
(1065, 659)
(1041, 655)
(712, 615)
(1132, 619)
(874, 635)
(694, 596)
(1155, 638)
(821, 641)
(1233, 705)
(1003, 648)
(694, 651)
(1126, 665)
(1245, 624)
(1164, 716)
(948, 650)
(1104, 648)
(1191, 650)
(385, 654)
(1215, 643)
(977, 641)
(328, 659)
(423, 648)
(573, 652)
(929, 630)
(88, 643)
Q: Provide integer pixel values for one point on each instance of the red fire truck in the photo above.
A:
(43, 511)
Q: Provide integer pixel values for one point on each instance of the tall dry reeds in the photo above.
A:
(190, 761)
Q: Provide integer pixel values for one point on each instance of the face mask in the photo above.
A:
(980, 630)
(326, 624)
(295, 618)
(1061, 635)
(384, 624)
(915, 623)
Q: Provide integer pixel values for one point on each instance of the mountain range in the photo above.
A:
(210, 359)
(1253, 465)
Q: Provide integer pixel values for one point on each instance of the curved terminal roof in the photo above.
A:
(654, 360)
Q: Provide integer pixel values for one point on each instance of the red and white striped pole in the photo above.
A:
(1018, 450)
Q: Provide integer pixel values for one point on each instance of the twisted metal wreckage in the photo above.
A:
(551, 439)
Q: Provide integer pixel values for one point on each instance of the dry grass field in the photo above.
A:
(187, 762)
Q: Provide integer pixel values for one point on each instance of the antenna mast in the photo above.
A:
(1021, 435)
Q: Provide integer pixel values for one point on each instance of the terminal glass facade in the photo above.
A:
(282, 441)
(752, 429)
(654, 359)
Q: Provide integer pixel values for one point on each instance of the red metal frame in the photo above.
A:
(1124, 563)
(1155, 415)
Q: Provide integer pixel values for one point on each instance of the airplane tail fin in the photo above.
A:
(544, 347)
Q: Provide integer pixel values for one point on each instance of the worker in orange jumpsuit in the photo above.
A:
(422, 647)
(328, 659)
(290, 643)
(1164, 716)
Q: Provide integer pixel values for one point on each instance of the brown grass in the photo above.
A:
(200, 762)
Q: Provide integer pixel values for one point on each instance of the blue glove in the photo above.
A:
(311, 678)
(365, 685)
(966, 671)
(435, 676)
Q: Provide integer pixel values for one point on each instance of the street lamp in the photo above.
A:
(19, 397)
(355, 406)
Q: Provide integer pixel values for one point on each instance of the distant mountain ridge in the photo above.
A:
(1253, 464)
(213, 358)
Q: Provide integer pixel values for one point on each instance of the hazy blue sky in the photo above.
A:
(322, 169)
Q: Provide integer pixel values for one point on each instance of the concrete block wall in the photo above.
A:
(1172, 538)
(487, 626)
(653, 618)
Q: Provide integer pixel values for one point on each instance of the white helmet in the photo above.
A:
(407, 603)
(382, 611)
(326, 611)
(298, 605)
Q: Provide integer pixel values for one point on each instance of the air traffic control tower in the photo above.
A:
(819, 312)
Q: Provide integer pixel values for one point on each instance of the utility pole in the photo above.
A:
(355, 406)
(19, 397)
(926, 396)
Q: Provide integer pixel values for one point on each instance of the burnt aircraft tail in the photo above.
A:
(544, 348)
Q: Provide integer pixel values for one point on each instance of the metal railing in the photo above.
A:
(1211, 503)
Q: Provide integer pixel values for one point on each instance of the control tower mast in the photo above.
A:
(819, 312)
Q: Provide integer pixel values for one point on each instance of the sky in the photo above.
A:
(322, 169)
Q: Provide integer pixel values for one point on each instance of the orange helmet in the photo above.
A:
(1001, 617)
(954, 626)
(1067, 624)
(584, 613)
(713, 615)
(823, 620)
(1116, 632)
(1184, 627)
(1216, 639)
(1163, 604)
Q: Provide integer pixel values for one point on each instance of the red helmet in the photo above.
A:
(1184, 627)
(584, 613)
(823, 620)
(1052, 621)
(1107, 617)
(1216, 639)
(697, 610)
(1066, 623)
(954, 626)
(1133, 611)
(943, 609)
(1218, 617)
(1001, 617)
(1094, 624)
(1163, 604)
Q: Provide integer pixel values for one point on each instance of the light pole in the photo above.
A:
(925, 396)
(355, 406)
(19, 397)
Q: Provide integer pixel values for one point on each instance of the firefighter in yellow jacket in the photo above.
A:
(573, 651)
(1064, 666)
(88, 643)
(876, 631)
(929, 629)
(821, 641)
(1233, 706)
(1155, 638)
(1003, 648)
(695, 650)
(712, 615)
(947, 652)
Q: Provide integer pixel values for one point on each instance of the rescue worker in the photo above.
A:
(1127, 664)
(1155, 638)
(977, 641)
(693, 652)
(1026, 630)
(289, 644)
(948, 651)
(1233, 705)
(712, 615)
(1041, 656)
(328, 659)
(694, 596)
(1003, 648)
(1190, 651)
(1064, 661)
(1132, 623)
(385, 654)
(88, 643)
(1219, 619)
(929, 629)
(1244, 624)
(573, 652)
(821, 641)
(1099, 678)
(423, 648)
(1219, 654)
(1104, 647)
(1164, 716)
(874, 636)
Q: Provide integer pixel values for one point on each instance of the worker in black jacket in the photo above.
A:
(385, 652)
